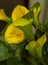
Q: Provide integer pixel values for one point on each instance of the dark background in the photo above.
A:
(8, 6)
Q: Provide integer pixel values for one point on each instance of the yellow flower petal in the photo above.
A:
(18, 12)
(3, 16)
(39, 45)
(14, 35)
(42, 40)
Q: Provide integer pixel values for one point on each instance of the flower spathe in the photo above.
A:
(3, 16)
(14, 35)
(18, 12)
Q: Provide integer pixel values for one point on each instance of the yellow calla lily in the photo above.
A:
(39, 44)
(35, 47)
(42, 40)
(3, 16)
(14, 35)
(18, 12)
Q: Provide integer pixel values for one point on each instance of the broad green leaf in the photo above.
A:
(26, 26)
(18, 51)
(28, 32)
(17, 59)
(3, 16)
(4, 52)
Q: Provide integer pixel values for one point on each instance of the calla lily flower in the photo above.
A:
(35, 47)
(3, 16)
(17, 12)
(14, 35)
(36, 12)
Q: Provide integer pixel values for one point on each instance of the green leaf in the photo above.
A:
(28, 32)
(17, 58)
(14, 61)
(26, 26)
(4, 53)
(19, 50)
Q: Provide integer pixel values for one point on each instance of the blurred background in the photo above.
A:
(8, 6)
(44, 9)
